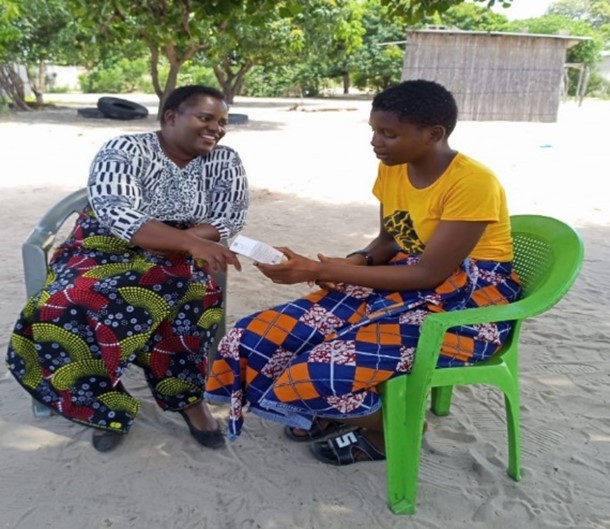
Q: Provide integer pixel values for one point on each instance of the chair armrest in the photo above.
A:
(507, 312)
(436, 325)
(35, 249)
(34, 254)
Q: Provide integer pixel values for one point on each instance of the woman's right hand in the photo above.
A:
(215, 255)
(155, 236)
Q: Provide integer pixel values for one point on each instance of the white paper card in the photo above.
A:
(256, 250)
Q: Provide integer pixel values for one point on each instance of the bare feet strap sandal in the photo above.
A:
(320, 429)
(350, 447)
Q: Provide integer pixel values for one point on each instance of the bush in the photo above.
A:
(270, 82)
(196, 74)
(126, 75)
(286, 81)
(58, 89)
(598, 86)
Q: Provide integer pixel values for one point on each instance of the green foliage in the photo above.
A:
(39, 31)
(173, 32)
(587, 51)
(125, 75)
(332, 37)
(132, 75)
(301, 47)
(195, 73)
(9, 34)
(378, 63)
(268, 81)
(598, 86)
(59, 89)
(596, 13)
(473, 17)
(414, 11)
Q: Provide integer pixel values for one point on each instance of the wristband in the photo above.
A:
(367, 256)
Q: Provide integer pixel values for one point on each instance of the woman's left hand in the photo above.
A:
(295, 269)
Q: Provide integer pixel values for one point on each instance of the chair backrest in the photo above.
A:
(548, 258)
(35, 249)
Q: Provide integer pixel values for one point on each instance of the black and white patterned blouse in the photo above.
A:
(132, 181)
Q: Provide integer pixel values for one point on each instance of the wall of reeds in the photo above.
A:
(493, 76)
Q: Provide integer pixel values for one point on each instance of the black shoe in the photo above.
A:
(107, 440)
(209, 438)
(320, 429)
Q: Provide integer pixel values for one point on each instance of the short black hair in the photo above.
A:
(421, 102)
(184, 93)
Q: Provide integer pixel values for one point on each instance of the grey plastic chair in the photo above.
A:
(35, 255)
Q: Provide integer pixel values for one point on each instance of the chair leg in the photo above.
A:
(220, 332)
(403, 427)
(441, 400)
(40, 411)
(513, 426)
(221, 279)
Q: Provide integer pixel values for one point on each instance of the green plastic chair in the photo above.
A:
(548, 259)
(36, 249)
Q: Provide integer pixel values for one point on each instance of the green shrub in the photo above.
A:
(125, 75)
(128, 75)
(58, 89)
(270, 82)
(598, 86)
(196, 74)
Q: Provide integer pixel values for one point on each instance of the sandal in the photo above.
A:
(316, 431)
(106, 440)
(210, 438)
(345, 449)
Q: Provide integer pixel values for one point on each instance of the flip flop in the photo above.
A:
(106, 440)
(343, 449)
(316, 431)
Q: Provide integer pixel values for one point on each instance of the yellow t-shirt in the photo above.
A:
(467, 190)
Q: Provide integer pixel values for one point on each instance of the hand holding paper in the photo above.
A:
(256, 250)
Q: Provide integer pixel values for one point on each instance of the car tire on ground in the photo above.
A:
(237, 119)
(117, 108)
(90, 112)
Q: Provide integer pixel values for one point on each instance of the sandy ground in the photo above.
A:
(311, 171)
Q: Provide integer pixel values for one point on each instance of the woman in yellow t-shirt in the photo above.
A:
(444, 244)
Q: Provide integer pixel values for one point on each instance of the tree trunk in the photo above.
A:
(38, 82)
(12, 85)
(231, 82)
(170, 83)
(154, 69)
(175, 63)
(346, 83)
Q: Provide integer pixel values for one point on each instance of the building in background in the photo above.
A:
(493, 76)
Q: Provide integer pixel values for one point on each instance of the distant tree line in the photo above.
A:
(249, 47)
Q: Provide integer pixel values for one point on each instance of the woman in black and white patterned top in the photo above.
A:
(132, 283)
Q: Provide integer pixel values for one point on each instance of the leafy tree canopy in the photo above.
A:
(587, 52)
(413, 11)
(595, 12)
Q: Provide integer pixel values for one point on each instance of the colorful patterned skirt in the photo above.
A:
(107, 305)
(324, 355)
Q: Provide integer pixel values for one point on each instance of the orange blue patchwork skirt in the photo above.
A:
(324, 354)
